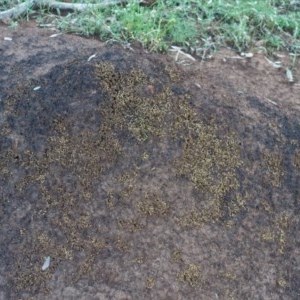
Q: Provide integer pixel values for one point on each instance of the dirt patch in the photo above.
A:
(143, 179)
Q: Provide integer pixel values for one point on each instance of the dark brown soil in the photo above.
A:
(145, 179)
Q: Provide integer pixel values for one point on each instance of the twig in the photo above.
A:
(271, 101)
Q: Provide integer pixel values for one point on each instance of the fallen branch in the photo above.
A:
(21, 8)
(16, 11)
(78, 6)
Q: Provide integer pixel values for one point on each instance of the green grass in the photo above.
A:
(196, 25)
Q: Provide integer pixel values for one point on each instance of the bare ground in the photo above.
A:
(144, 179)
